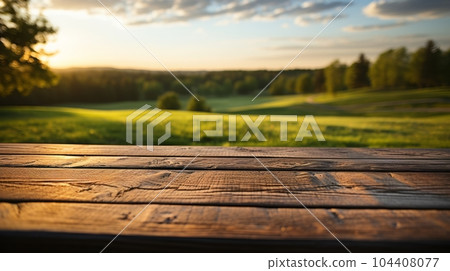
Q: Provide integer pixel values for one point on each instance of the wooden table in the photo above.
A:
(79, 197)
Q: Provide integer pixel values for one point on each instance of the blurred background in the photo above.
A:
(377, 76)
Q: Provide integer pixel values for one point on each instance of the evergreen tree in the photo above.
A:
(445, 68)
(425, 66)
(357, 75)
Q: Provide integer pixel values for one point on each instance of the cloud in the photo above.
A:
(408, 9)
(144, 7)
(315, 7)
(316, 18)
(372, 27)
(80, 4)
(170, 11)
(352, 44)
(346, 48)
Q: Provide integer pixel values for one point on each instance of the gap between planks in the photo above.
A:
(229, 163)
(217, 151)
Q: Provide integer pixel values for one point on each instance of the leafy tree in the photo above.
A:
(251, 83)
(200, 105)
(334, 77)
(155, 89)
(239, 87)
(425, 66)
(21, 67)
(319, 80)
(169, 100)
(390, 69)
(289, 85)
(304, 83)
(149, 89)
(246, 86)
(210, 87)
(226, 88)
(175, 86)
(445, 68)
(278, 87)
(357, 75)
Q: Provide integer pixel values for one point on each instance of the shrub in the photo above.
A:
(200, 105)
(168, 100)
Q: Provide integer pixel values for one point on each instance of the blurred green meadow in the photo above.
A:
(359, 118)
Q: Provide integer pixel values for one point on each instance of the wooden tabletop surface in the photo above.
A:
(63, 198)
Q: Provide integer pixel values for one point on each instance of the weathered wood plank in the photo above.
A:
(246, 223)
(368, 197)
(217, 151)
(228, 188)
(224, 163)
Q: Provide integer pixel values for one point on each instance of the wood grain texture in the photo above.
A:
(62, 197)
(213, 151)
(293, 224)
(228, 188)
(224, 163)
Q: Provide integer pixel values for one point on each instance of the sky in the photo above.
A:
(229, 35)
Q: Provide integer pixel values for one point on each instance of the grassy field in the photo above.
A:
(361, 118)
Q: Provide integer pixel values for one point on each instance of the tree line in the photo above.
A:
(26, 79)
(428, 66)
(91, 85)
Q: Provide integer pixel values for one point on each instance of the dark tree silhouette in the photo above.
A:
(303, 83)
(248, 85)
(425, 66)
(319, 80)
(278, 87)
(445, 68)
(357, 75)
(21, 67)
